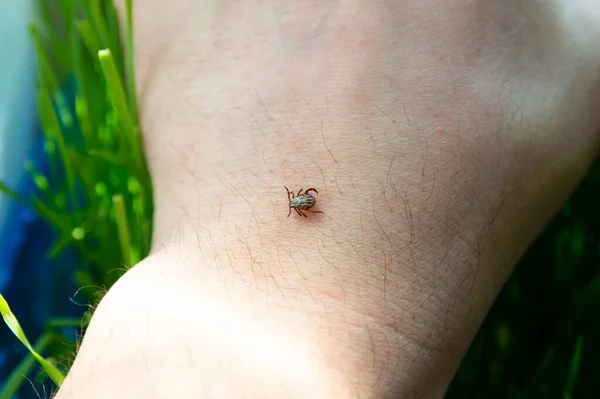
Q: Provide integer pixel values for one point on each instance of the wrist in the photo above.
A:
(318, 331)
(164, 332)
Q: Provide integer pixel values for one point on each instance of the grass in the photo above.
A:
(538, 341)
(97, 193)
(540, 338)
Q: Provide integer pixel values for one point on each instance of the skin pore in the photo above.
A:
(440, 135)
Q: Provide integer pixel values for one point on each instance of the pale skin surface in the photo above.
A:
(441, 136)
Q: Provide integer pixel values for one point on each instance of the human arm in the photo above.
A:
(441, 137)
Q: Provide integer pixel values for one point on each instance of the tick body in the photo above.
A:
(302, 202)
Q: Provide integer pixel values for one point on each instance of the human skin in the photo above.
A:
(441, 135)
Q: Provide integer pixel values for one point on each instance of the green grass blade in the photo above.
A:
(123, 228)
(63, 241)
(88, 35)
(107, 156)
(115, 88)
(86, 108)
(59, 220)
(47, 74)
(11, 321)
(52, 128)
(12, 194)
(97, 9)
(129, 62)
(574, 369)
(94, 8)
(61, 322)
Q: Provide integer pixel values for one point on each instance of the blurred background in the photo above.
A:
(27, 275)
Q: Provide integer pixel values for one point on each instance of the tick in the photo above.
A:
(302, 202)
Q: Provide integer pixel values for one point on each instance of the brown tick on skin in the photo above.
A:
(302, 202)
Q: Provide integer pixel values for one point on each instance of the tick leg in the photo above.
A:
(300, 212)
(315, 211)
(299, 192)
(288, 191)
(311, 189)
(290, 211)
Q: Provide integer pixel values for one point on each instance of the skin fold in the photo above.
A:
(441, 137)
